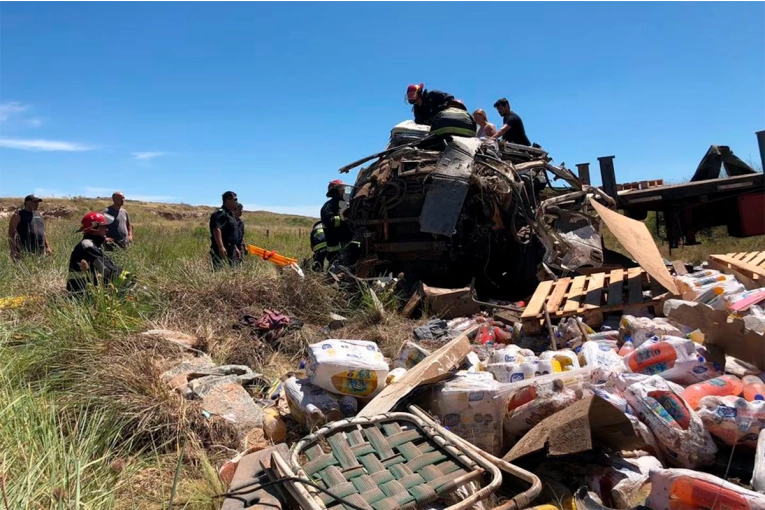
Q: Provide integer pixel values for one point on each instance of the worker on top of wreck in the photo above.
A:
(512, 130)
(337, 232)
(454, 120)
(426, 103)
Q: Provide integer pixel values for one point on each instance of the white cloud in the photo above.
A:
(312, 211)
(43, 145)
(107, 192)
(52, 193)
(11, 108)
(35, 122)
(146, 156)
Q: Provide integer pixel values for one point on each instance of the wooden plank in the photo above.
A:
(756, 272)
(740, 255)
(759, 260)
(574, 297)
(615, 287)
(749, 257)
(679, 268)
(430, 370)
(634, 236)
(635, 285)
(594, 291)
(534, 307)
(561, 287)
(413, 301)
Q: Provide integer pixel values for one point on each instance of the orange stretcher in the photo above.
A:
(271, 256)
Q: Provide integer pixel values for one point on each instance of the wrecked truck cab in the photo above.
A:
(452, 210)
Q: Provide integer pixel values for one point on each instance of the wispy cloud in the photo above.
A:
(107, 192)
(11, 108)
(312, 211)
(43, 145)
(35, 122)
(47, 192)
(146, 156)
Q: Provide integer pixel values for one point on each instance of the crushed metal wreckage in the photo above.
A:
(450, 210)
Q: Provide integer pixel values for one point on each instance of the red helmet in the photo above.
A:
(94, 220)
(413, 92)
(337, 183)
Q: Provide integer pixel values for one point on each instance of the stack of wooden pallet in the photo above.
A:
(748, 267)
(590, 296)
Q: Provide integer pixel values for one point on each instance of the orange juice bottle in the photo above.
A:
(687, 493)
(652, 359)
(719, 386)
(627, 348)
(754, 388)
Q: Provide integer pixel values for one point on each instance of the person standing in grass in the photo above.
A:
(120, 231)
(240, 223)
(224, 233)
(26, 230)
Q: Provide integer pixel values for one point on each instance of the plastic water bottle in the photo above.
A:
(652, 358)
(627, 348)
(754, 388)
(722, 386)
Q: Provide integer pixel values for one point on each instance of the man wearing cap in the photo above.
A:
(26, 230)
(224, 233)
(337, 232)
(88, 264)
(426, 103)
(120, 231)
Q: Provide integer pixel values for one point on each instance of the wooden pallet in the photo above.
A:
(591, 296)
(750, 265)
(640, 185)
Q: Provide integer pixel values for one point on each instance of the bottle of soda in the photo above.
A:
(719, 386)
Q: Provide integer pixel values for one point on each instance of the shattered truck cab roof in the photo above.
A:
(453, 210)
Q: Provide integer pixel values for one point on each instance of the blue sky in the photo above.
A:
(182, 101)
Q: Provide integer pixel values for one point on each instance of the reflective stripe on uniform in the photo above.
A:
(336, 220)
(450, 130)
(332, 249)
(319, 246)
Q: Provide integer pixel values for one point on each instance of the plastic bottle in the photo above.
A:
(754, 388)
(522, 396)
(722, 386)
(675, 407)
(627, 348)
(273, 425)
(652, 359)
(702, 494)
(485, 336)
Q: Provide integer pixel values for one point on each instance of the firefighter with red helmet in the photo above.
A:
(426, 103)
(88, 264)
(337, 232)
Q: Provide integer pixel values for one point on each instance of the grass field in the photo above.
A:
(85, 422)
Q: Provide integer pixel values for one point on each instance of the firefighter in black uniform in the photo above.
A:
(454, 120)
(88, 264)
(426, 103)
(224, 233)
(337, 232)
(318, 246)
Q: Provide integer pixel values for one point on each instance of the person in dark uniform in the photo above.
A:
(26, 230)
(512, 130)
(426, 103)
(224, 233)
(88, 264)
(240, 223)
(336, 229)
(454, 120)
(318, 246)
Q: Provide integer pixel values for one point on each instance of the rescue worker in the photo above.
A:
(454, 120)
(318, 246)
(88, 264)
(224, 233)
(426, 103)
(26, 230)
(512, 130)
(337, 232)
(240, 223)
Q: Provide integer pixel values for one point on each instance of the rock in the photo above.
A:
(232, 402)
(203, 385)
(176, 337)
(201, 364)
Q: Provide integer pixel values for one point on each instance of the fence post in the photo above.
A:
(584, 172)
